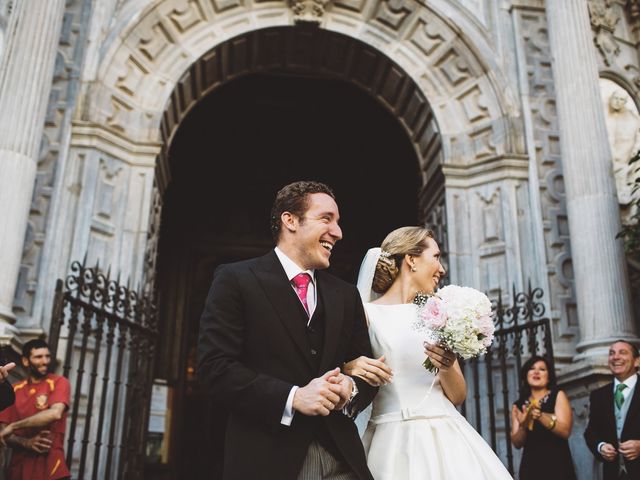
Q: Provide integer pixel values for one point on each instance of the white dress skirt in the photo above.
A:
(415, 432)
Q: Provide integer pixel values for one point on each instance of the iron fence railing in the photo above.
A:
(108, 332)
(521, 331)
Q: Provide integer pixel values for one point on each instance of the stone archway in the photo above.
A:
(216, 206)
(317, 52)
(436, 48)
(445, 54)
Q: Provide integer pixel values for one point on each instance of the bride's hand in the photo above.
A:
(442, 358)
(373, 371)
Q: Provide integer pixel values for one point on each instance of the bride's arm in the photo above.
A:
(454, 384)
(373, 371)
(451, 377)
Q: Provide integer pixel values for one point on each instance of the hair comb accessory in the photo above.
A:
(385, 254)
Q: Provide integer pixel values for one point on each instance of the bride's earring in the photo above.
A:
(413, 268)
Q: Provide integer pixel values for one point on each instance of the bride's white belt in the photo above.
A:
(407, 414)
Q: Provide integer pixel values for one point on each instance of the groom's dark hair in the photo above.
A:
(294, 198)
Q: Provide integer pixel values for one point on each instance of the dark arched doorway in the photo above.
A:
(228, 157)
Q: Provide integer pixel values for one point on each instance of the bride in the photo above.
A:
(415, 431)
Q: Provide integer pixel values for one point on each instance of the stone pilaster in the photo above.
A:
(26, 71)
(602, 287)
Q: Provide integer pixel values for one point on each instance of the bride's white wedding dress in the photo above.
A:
(415, 432)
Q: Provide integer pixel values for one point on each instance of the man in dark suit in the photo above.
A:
(273, 335)
(613, 432)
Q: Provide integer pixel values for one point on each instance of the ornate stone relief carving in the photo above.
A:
(426, 36)
(474, 104)
(393, 13)
(352, 61)
(546, 136)
(308, 10)
(158, 40)
(604, 21)
(131, 81)
(220, 6)
(153, 52)
(491, 217)
(117, 119)
(188, 17)
(623, 128)
(489, 239)
(110, 171)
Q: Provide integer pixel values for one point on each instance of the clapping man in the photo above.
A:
(613, 432)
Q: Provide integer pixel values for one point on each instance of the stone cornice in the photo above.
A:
(527, 5)
(88, 135)
(502, 167)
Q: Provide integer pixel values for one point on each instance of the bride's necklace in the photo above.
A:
(420, 298)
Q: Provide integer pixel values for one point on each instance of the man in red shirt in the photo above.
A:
(35, 424)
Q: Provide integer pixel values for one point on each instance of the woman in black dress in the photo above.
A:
(541, 421)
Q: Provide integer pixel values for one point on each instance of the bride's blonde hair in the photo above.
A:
(400, 242)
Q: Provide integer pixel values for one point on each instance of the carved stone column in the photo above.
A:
(602, 287)
(26, 72)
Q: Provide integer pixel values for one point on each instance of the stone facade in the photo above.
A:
(471, 81)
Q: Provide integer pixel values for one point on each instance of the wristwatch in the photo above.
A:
(354, 389)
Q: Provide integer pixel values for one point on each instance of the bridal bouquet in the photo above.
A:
(458, 318)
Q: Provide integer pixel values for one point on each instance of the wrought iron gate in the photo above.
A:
(521, 331)
(106, 332)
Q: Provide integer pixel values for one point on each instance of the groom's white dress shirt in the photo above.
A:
(291, 270)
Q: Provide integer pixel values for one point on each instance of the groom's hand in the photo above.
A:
(346, 387)
(319, 396)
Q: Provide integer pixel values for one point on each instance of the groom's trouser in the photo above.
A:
(320, 464)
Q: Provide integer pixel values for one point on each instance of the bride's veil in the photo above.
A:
(364, 283)
(366, 274)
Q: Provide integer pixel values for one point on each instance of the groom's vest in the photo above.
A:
(315, 338)
(315, 331)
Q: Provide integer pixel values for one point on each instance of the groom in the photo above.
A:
(273, 334)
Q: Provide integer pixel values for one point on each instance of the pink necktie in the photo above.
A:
(301, 282)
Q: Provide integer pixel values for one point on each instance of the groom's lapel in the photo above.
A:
(608, 413)
(333, 318)
(634, 406)
(273, 280)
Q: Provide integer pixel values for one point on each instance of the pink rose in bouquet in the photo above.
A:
(433, 314)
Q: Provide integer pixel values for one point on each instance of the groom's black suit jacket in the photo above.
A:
(602, 428)
(254, 345)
